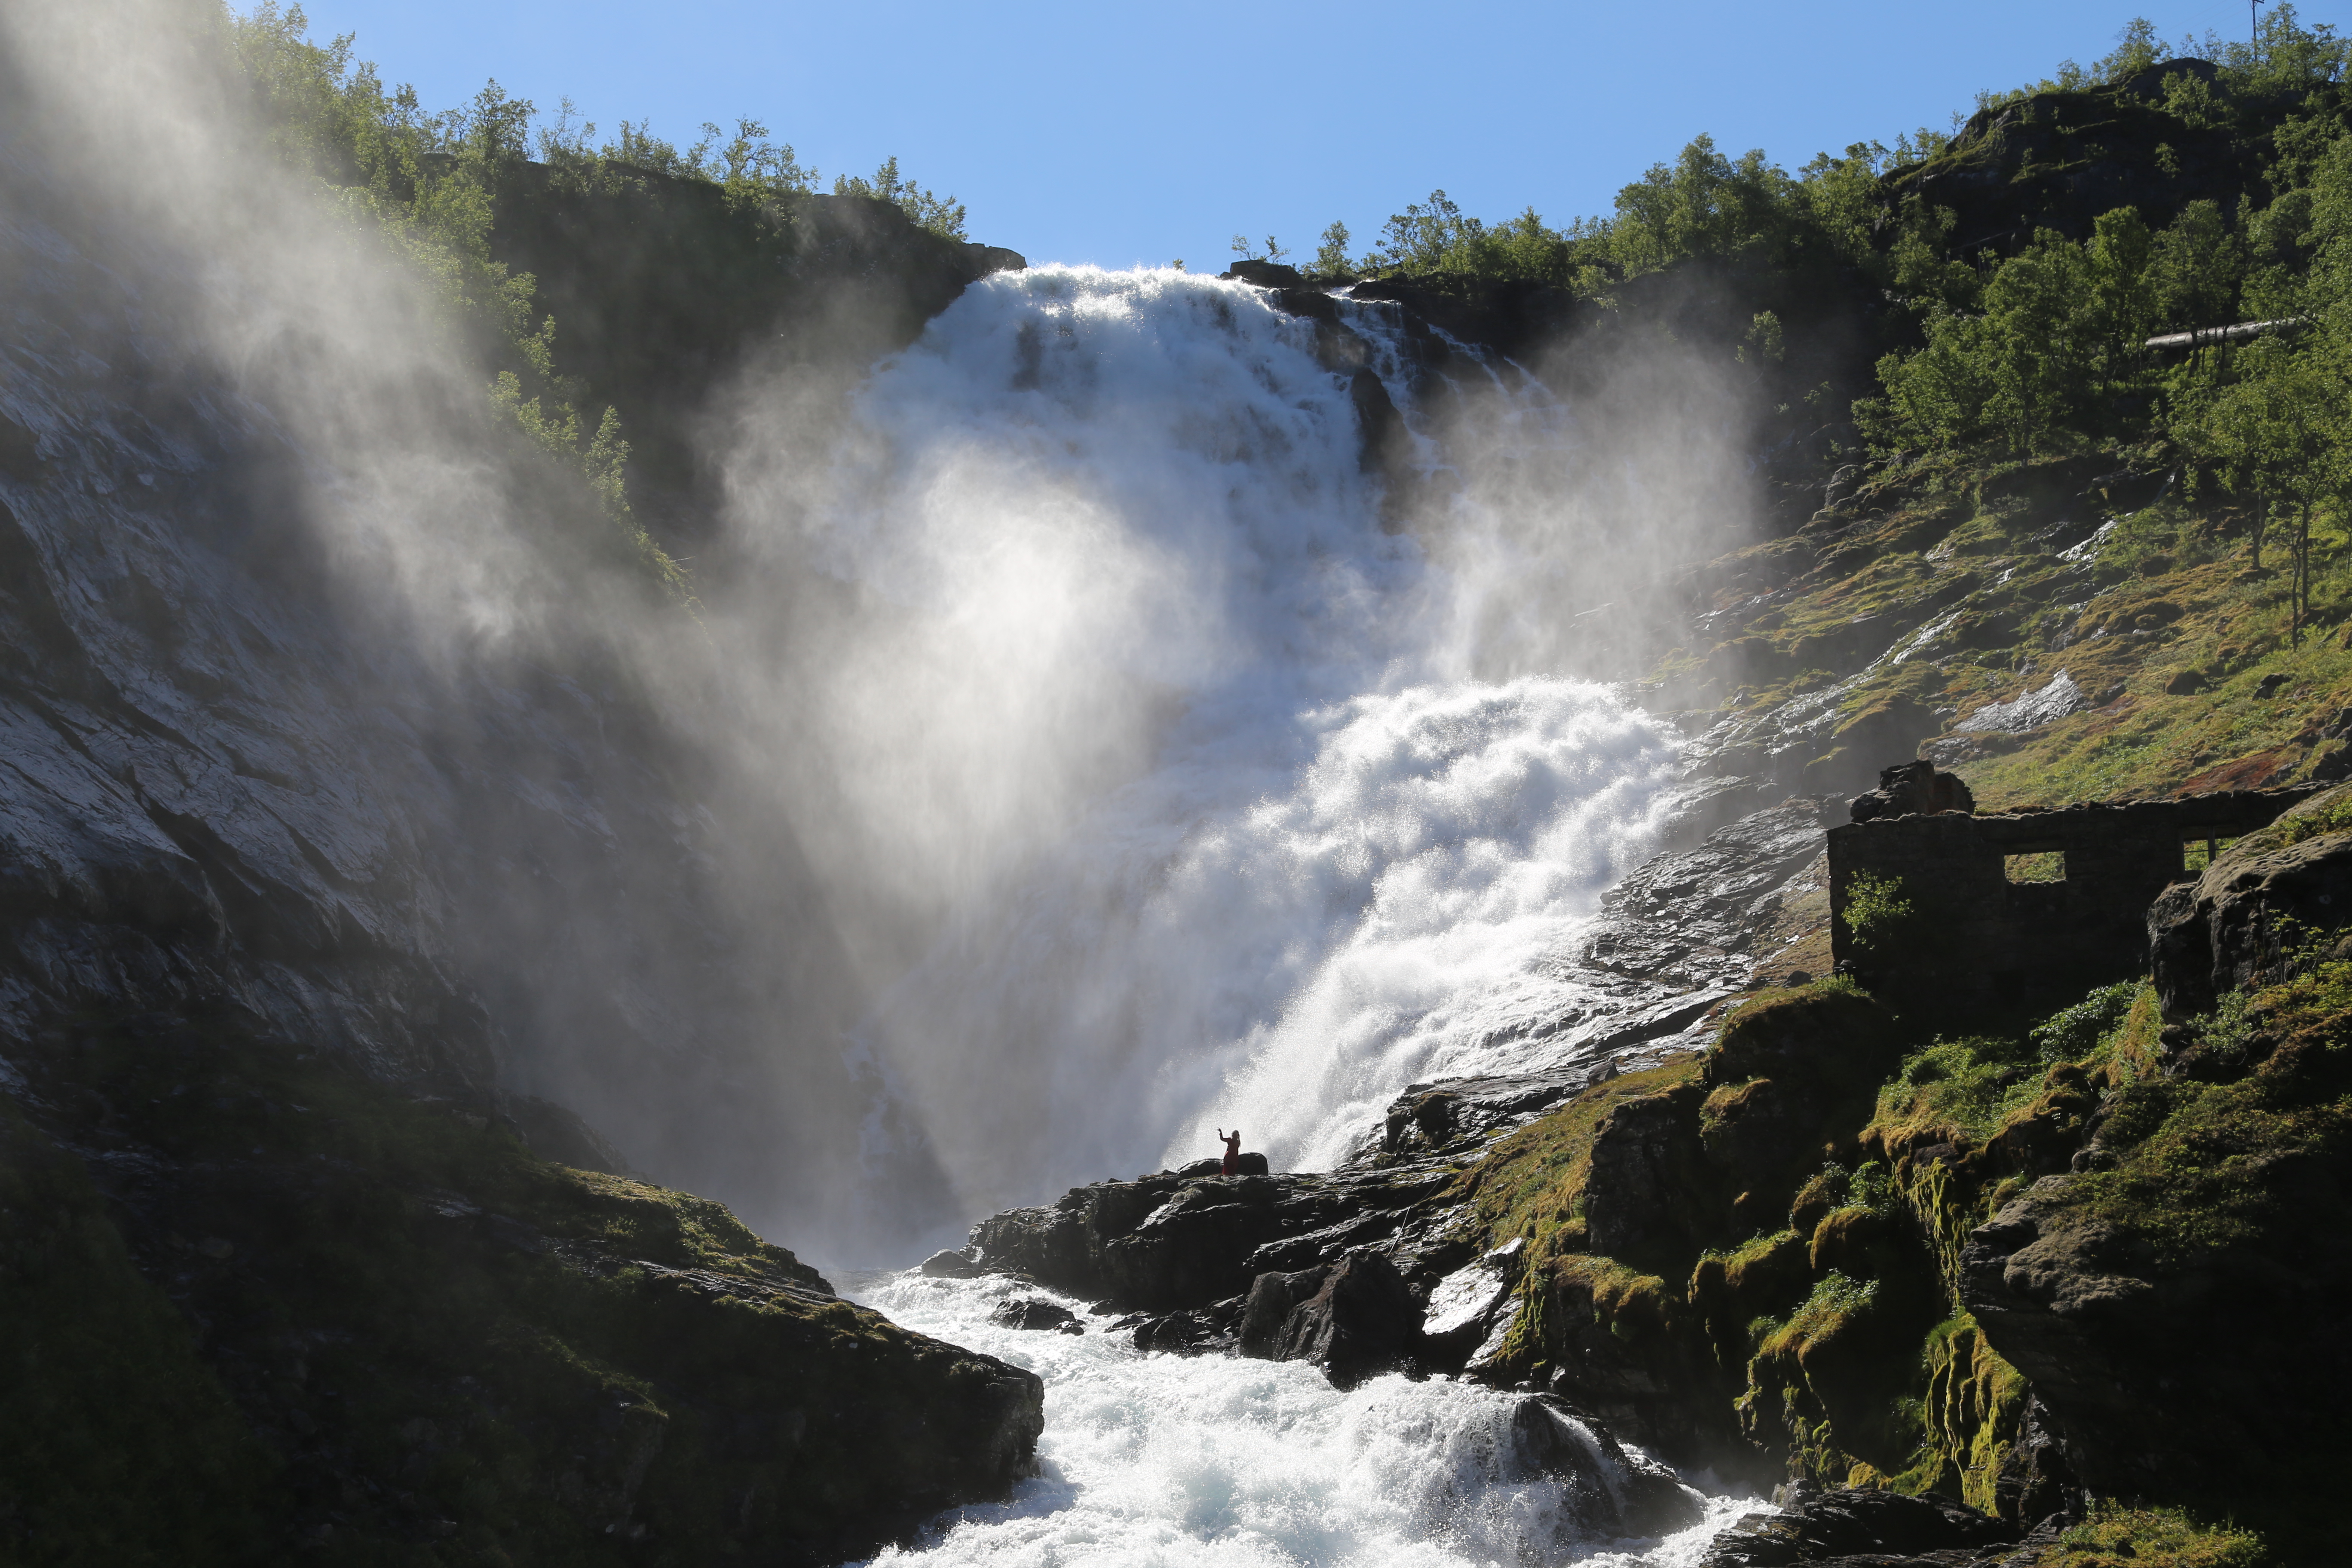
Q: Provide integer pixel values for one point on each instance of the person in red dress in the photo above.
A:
(1232, 1149)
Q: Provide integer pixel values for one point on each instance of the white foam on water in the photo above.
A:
(1150, 1460)
(1221, 830)
(1182, 741)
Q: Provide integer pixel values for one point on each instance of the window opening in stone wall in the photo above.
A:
(2196, 854)
(2042, 866)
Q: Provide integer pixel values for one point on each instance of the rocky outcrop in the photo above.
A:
(2231, 928)
(1909, 788)
(387, 1325)
(1172, 1243)
(1353, 1318)
(1866, 1528)
(2159, 1379)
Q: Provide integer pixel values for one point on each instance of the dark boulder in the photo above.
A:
(1202, 1330)
(1050, 1245)
(1265, 1311)
(1876, 1527)
(2230, 928)
(1174, 1243)
(1359, 1322)
(1193, 1248)
(1035, 1313)
(1246, 1164)
(1616, 1491)
(1913, 789)
(950, 1263)
(1646, 1156)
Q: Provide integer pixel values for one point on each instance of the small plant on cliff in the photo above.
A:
(1878, 917)
(1872, 1188)
(2154, 1537)
(2074, 1033)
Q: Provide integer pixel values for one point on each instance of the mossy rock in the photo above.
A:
(333, 1316)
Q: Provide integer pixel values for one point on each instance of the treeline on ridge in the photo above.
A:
(1992, 290)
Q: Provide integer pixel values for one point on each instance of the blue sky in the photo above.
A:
(1118, 133)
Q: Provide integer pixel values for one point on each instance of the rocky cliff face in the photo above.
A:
(240, 770)
(344, 804)
(262, 1305)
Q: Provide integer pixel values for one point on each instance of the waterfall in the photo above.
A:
(1180, 743)
(1223, 820)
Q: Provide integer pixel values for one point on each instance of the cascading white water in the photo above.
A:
(1181, 741)
(1157, 1459)
(1183, 747)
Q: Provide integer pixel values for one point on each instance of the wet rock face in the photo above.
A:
(241, 773)
(1697, 913)
(1354, 1318)
(1883, 1529)
(1618, 1493)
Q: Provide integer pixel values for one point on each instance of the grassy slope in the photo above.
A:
(1837, 1325)
(2170, 592)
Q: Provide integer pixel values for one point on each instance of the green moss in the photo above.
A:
(1531, 1183)
(2208, 1166)
(1834, 1303)
(2073, 1033)
(1955, 1091)
(1974, 1409)
(1831, 1386)
(2116, 1536)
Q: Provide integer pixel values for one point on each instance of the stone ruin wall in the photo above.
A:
(1976, 929)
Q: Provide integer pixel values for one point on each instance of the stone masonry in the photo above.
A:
(2023, 900)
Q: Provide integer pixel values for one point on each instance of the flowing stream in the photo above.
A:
(1160, 1460)
(1185, 742)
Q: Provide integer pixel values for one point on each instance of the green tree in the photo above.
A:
(425, 184)
(941, 215)
(1702, 204)
(1331, 256)
(2061, 326)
